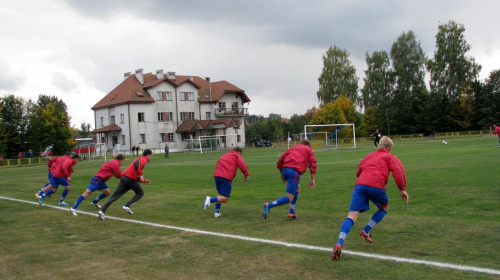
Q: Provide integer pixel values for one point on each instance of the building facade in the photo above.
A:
(183, 112)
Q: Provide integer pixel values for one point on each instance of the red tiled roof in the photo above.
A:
(131, 90)
(126, 92)
(108, 128)
(193, 125)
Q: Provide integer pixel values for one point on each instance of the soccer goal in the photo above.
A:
(330, 136)
(210, 143)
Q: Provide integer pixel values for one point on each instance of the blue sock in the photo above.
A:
(376, 218)
(40, 192)
(78, 201)
(101, 196)
(49, 192)
(344, 230)
(217, 207)
(214, 199)
(64, 194)
(281, 201)
(292, 204)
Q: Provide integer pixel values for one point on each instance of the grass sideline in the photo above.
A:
(452, 218)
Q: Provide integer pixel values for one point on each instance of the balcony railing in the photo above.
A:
(231, 111)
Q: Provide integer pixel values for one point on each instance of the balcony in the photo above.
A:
(231, 112)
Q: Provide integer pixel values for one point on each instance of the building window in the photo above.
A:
(160, 117)
(140, 116)
(222, 106)
(123, 139)
(122, 118)
(112, 120)
(170, 137)
(143, 138)
(102, 121)
(168, 96)
(169, 116)
(159, 95)
(238, 137)
(183, 116)
(234, 106)
(191, 115)
(208, 116)
(162, 137)
(186, 96)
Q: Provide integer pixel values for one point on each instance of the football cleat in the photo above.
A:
(290, 215)
(366, 236)
(217, 215)
(73, 211)
(207, 202)
(127, 209)
(101, 215)
(37, 196)
(266, 210)
(40, 201)
(336, 252)
(62, 203)
(96, 205)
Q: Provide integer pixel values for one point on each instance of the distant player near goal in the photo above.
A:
(373, 173)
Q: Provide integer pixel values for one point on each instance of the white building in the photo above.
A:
(154, 110)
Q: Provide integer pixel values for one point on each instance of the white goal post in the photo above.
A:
(331, 135)
(212, 143)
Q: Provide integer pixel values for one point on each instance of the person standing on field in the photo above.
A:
(166, 150)
(130, 181)
(225, 172)
(292, 164)
(98, 182)
(497, 132)
(377, 137)
(373, 174)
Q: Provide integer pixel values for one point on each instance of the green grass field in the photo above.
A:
(452, 218)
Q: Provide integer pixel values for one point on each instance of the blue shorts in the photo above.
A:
(50, 176)
(362, 194)
(96, 183)
(56, 181)
(292, 178)
(223, 186)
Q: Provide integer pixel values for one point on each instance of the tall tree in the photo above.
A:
(451, 68)
(338, 77)
(408, 63)
(14, 125)
(338, 112)
(487, 102)
(379, 81)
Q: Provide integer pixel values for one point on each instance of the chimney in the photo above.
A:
(139, 76)
(171, 75)
(209, 87)
(126, 75)
(190, 78)
(159, 74)
(208, 79)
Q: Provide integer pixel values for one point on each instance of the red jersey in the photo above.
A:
(374, 170)
(227, 165)
(134, 170)
(497, 130)
(65, 169)
(298, 157)
(108, 169)
(55, 162)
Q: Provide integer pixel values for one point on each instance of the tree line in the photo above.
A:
(25, 125)
(395, 97)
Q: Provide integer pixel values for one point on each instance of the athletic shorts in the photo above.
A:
(56, 181)
(292, 178)
(361, 195)
(223, 186)
(96, 183)
(50, 176)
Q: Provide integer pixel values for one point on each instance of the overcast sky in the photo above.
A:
(78, 50)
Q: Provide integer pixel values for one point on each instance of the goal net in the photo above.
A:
(212, 143)
(330, 136)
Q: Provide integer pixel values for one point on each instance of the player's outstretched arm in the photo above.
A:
(405, 196)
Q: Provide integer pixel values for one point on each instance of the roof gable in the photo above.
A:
(129, 91)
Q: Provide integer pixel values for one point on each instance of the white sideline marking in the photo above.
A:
(287, 244)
